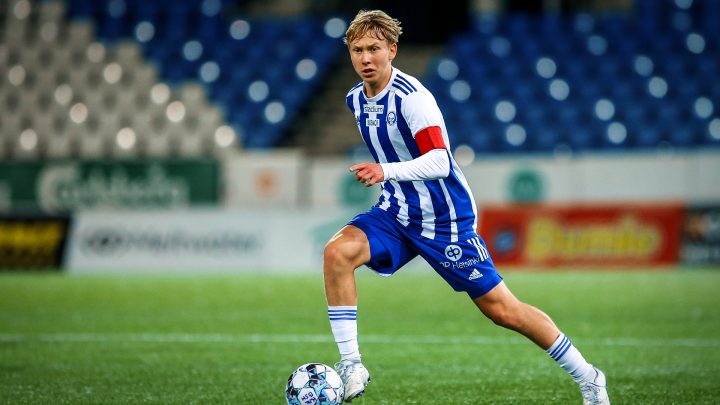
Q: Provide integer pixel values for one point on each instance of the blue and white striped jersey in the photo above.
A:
(442, 209)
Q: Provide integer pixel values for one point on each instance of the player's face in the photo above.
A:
(371, 59)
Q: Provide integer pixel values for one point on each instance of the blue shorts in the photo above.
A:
(465, 264)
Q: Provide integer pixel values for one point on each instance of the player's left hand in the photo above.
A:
(368, 173)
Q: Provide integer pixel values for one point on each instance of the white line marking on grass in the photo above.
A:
(370, 339)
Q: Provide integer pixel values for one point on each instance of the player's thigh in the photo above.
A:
(390, 249)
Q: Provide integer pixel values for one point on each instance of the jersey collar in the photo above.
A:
(384, 91)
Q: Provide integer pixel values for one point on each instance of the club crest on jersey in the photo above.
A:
(391, 118)
(373, 108)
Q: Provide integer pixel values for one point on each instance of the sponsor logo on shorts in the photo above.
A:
(453, 252)
(475, 275)
(463, 264)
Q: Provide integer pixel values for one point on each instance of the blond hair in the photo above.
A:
(375, 23)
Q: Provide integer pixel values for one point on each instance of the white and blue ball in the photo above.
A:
(314, 384)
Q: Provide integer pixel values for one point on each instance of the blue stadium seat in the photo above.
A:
(648, 135)
(484, 139)
(596, 56)
(273, 56)
(545, 138)
(685, 135)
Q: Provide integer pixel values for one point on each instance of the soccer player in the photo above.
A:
(426, 208)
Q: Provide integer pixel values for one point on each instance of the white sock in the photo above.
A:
(570, 359)
(343, 321)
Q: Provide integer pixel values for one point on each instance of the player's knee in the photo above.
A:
(336, 257)
(331, 255)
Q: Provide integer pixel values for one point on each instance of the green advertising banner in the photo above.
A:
(63, 186)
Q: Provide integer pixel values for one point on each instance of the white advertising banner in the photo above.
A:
(264, 179)
(331, 184)
(692, 177)
(201, 240)
(286, 179)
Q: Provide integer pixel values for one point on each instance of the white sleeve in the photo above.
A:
(431, 166)
(421, 111)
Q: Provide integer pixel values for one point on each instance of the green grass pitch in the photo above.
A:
(235, 339)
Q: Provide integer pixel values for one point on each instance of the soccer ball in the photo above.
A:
(314, 384)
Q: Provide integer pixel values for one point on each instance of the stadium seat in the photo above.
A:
(651, 63)
(644, 62)
(110, 53)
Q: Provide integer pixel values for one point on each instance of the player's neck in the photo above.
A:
(375, 88)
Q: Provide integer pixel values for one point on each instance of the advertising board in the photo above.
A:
(32, 241)
(701, 236)
(584, 234)
(200, 241)
(137, 184)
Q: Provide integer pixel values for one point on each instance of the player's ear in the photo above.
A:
(393, 50)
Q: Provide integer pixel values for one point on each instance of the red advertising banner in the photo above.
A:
(587, 234)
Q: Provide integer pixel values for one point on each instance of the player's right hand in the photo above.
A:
(368, 173)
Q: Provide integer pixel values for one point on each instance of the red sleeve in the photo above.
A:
(429, 138)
